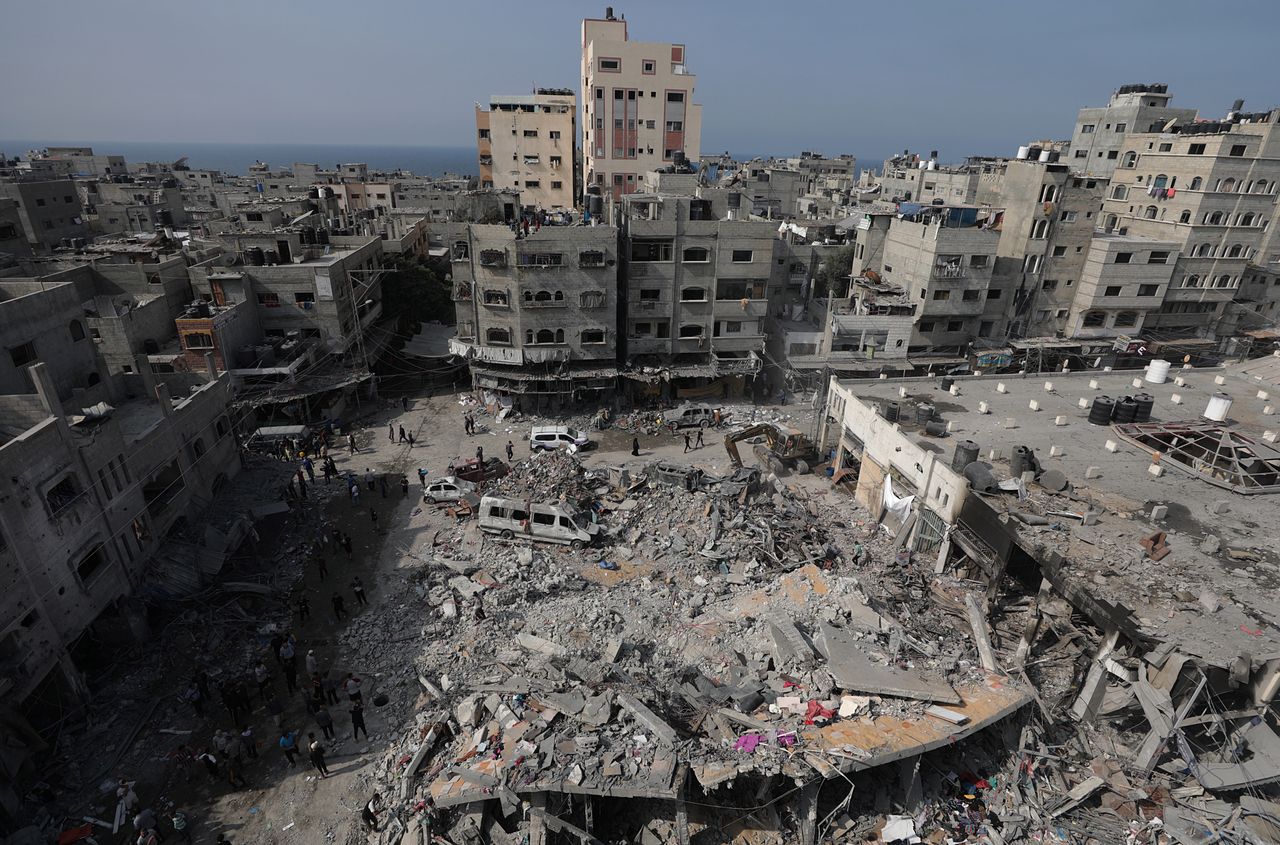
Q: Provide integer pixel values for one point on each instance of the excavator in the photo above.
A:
(783, 447)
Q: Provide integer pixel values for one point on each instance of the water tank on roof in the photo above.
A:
(1045, 155)
(966, 453)
(1145, 403)
(1218, 408)
(1126, 411)
(271, 257)
(1101, 410)
(255, 256)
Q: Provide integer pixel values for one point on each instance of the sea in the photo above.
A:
(236, 158)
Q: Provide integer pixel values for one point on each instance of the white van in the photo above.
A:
(543, 522)
(544, 437)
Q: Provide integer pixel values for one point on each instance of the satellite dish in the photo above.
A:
(229, 260)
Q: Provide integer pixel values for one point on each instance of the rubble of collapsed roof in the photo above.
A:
(774, 667)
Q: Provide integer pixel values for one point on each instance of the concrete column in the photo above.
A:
(46, 390)
(162, 396)
(1087, 703)
(1267, 682)
(211, 366)
(537, 827)
(807, 813)
(143, 368)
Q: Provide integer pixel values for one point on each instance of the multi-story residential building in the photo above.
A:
(637, 105)
(50, 212)
(698, 281)
(321, 287)
(98, 469)
(1124, 282)
(537, 315)
(528, 143)
(1100, 132)
(139, 206)
(1048, 222)
(910, 178)
(1209, 189)
(942, 257)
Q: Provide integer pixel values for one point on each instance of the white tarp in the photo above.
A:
(898, 506)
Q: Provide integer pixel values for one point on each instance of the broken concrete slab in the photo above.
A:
(852, 669)
(650, 720)
(538, 645)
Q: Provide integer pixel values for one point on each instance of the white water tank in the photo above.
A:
(1158, 371)
(1218, 408)
(933, 164)
(1024, 152)
(1045, 155)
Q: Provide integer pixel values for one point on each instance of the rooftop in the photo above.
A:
(1223, 543)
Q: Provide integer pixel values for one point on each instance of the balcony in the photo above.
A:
(952, 306)
(740, 308)
(738, 342)
(493, 258)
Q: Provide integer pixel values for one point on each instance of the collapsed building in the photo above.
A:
(1121, 527)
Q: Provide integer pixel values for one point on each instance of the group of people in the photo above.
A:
(145, 820)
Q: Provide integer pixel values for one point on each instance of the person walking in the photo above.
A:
(346, 545)
(304, 608)
(403, 439)
(411, 440)
(373, 517)
(321, 567)
(404, 485)
(324, 720)
(248, 741)
(262, 676)
(316, 751)
(210, 763)
(368, 479)
(352, 686)
(422, 476)
(357, 587)
(275, 707)
(511, 451)
(404, 404)
(357, 721)
(391, 432)
(289, 745)
(635, 446)
(310, 467)
(312, 662)
(351, 444)
(698, 444)
(234, 775)
(480, 454)
(339, 608)
(686, 441)
(329, 688)
(291, 675)
(181, 827)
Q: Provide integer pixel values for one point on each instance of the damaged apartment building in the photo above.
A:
(698, 281)
(537, 314)
(1122, 527)
(103, 463)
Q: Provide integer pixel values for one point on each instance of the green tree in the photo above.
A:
(415, 294)
(833, 272)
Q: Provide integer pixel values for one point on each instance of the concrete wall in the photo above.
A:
(936, 485)
(46, 320)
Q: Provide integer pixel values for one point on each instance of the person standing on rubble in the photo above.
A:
(511, 451)
(369, 813)
(324, 721)
(262, 676)
(357, 587)
(248, 742)
(357, 721)
(352, 686)
(635, 446)
(289, 745)
(316, 751)
(480, 454)
(339, 609)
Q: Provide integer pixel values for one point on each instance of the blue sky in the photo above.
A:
(865, 78)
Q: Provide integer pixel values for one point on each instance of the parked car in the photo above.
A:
(447, 489)
(544, 522)
(691, 416)
(545, 437)
(472, 470)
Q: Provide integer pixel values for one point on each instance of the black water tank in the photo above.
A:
(1020, 461)
(255, 256)
(1145, 402)
(924, 413)
(1126, 411)
(966, 453)
(1101, 410)
(891, 411)
(937, 428)
(271, 257)
(980, 477)
(946, 382)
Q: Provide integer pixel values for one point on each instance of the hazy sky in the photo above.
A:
(841, 76)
